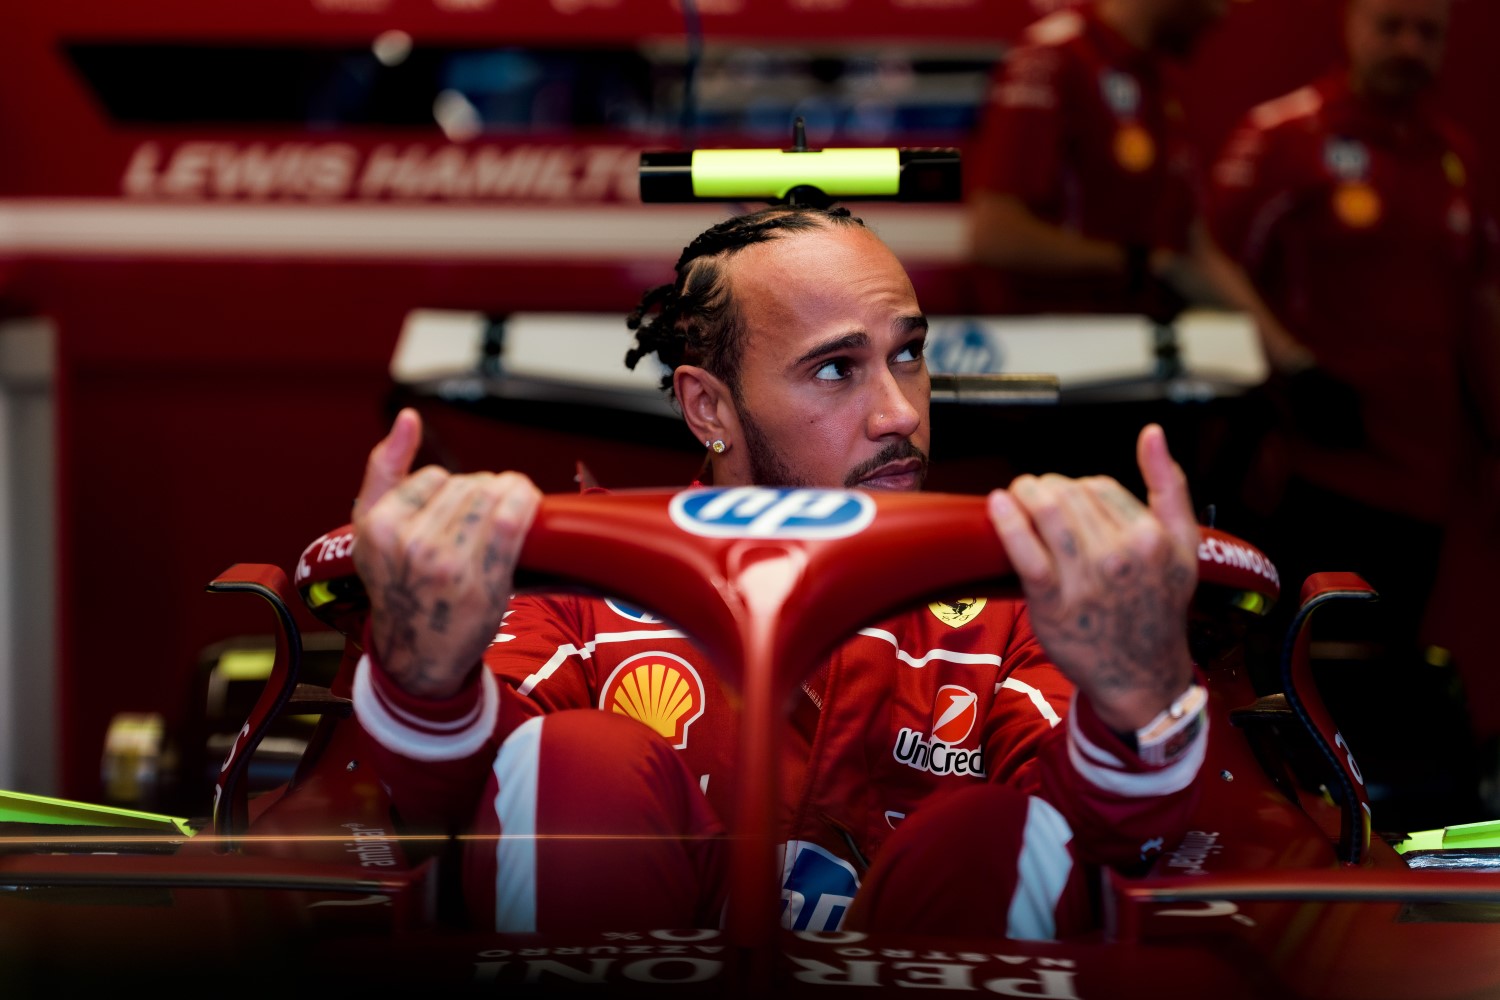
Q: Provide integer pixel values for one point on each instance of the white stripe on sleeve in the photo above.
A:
(411, 736)
(1136, 784)
(516, 767)
(1042, 872)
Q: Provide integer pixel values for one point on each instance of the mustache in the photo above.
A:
(1409, 70)
(896, 451)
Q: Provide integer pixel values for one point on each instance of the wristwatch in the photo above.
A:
(1164, 738)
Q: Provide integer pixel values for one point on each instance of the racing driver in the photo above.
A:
(962, 765)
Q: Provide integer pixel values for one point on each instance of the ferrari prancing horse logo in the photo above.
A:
(957, 612)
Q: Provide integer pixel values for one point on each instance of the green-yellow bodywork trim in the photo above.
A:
(19, 807)
(1470, 836)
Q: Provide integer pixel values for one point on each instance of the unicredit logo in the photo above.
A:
(914, 750)
(955, 710)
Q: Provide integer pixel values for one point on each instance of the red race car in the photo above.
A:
(1279, 888)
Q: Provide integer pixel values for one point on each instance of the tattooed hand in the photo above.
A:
(1108, 579)
(436, 552)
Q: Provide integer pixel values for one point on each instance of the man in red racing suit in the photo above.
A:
(610, 824)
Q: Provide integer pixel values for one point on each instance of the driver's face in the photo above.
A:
(833, 383)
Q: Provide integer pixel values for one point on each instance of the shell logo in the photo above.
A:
(662, 690)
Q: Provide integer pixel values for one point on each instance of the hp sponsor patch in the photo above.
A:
(764, 512)
(632, 612)
(816, 888)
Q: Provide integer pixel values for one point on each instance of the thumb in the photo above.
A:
(1166, 486)
(390, 460)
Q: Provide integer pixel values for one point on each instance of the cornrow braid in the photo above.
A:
(695, 320)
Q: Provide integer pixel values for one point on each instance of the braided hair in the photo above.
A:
(695, 319)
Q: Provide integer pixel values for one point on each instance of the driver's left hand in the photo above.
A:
(1108, 579)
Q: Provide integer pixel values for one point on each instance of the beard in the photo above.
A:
(768, 469)
(1400, 80)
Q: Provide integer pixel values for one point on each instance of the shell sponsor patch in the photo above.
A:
(660, 689)
(1356, 204)
(958, 612)
(1134, 149)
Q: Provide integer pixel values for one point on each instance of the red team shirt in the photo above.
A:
(1364, 234)
(941, 697)
(1089, 133)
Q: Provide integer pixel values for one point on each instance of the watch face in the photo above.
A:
(1165, 737)
(1179, 741)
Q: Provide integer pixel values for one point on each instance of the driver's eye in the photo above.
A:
(832, 371)
(912, 351)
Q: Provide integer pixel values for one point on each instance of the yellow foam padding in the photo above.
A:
(1251, 601)
(319, 594)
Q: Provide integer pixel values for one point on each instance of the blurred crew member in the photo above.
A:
(1353, 206)
(1084, 189)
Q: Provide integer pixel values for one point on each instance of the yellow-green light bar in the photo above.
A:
(773, 173)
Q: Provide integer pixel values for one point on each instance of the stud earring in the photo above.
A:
(718, 446)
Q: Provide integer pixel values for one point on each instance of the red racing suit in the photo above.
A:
(942, 697)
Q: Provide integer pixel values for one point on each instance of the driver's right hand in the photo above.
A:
(437, 554)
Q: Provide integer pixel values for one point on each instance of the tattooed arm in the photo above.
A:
(1108, 580)
(436, 552)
